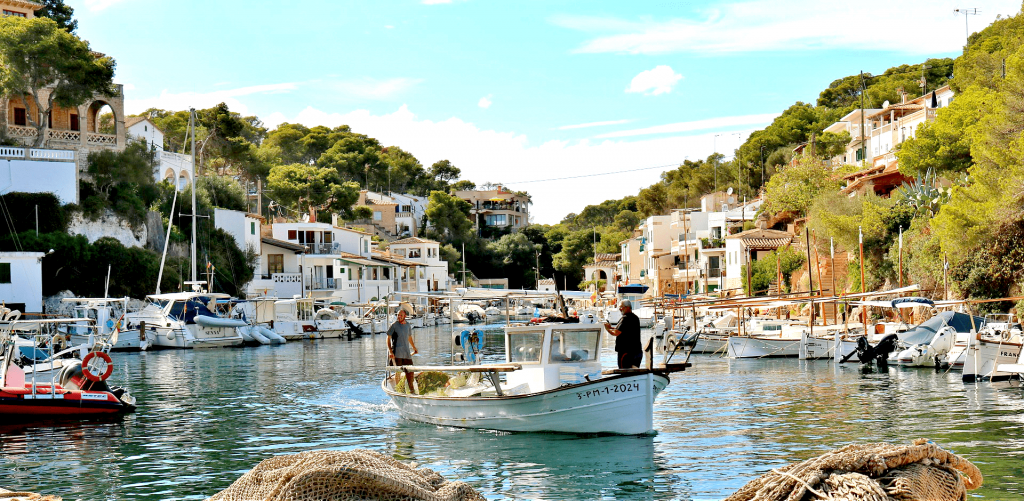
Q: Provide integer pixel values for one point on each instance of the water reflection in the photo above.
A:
(207, 416)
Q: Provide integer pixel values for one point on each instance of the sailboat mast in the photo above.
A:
(192, 127)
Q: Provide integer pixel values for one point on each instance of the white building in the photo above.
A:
(33, 170)
(175, 168)
(433, 271)
(749, 246)
(338, 263)
(21, 281)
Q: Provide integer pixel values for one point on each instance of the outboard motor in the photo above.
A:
(354, 329)
(471, 345)
(879, 352)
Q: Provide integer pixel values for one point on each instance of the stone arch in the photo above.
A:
(94, 113)
(184, 179)
(168, 176)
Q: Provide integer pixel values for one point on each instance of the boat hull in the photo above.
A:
(614, 405)
(984, 358)
(813, 347)
(757, 347)
(19, 403)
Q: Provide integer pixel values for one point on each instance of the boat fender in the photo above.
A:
(94, 377)
(472, 343)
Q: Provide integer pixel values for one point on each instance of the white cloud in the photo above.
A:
(96, 5)
(766, 25)
(508, 157)
(696, 125)
(484, 102)
(183, 100)
(659, 80)
(594, 124)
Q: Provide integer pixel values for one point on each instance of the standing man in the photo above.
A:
(399, 343)
(627, 337)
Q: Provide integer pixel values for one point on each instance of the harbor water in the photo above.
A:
(205, 417)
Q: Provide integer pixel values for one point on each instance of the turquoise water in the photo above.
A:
(207, 416)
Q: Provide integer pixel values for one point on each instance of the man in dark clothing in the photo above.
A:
(627, 337)
(401, 347)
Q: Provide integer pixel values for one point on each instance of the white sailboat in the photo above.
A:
(184, 319)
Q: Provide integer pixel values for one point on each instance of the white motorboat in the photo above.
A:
(293, 319)
(993, 350)
(183, 320)
(553, 382)
(767, 338)
(106, 315)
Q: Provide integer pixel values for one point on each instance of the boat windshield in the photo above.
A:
(525, 346)
(574, 345)
(189, 310)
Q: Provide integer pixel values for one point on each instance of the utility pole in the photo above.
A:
(863, 136)
(966, 13)
(538, 270)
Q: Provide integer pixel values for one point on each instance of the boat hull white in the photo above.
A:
(814, 348)
(984, 358)
(757, 347)
(615, 405)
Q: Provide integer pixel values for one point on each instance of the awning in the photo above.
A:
(362, 262)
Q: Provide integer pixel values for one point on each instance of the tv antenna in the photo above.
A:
(966, 13)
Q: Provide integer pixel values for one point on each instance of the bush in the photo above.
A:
(765, 270)
(21, 209)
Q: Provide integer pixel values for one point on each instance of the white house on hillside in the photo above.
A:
(21, 281)
(173, 167)
(433, 271)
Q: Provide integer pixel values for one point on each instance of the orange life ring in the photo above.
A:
(93, 377)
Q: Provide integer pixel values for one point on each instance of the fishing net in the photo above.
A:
(6, 495)
(343, 475)
(428, 383)
(873, 472)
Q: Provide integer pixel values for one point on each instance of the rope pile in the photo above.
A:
(343, 475)
(872, 472)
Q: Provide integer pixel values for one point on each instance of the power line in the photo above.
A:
(595, 175)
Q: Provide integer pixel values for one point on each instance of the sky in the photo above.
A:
(574, 102)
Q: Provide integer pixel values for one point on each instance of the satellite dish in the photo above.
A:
(729, 191)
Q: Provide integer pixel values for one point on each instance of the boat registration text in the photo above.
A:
(615, 388)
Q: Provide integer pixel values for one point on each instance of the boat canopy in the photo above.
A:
(925, 331)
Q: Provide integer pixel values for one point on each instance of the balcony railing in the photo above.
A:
(332, 248)
(101, 139)
(716, 272)
(319, 284)
(712, 243)
(36, 153)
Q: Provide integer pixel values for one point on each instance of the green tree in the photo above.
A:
(463, 185)
(36, 55)
(404, 171)
(309, 188)
(764, 271)
(62, 14)
(944, 145)
(795, 187)
(449, 217)
(516, 255)
(136, 165)
(577, 249)
(357, 157)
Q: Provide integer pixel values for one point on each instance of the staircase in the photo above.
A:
(829, 309)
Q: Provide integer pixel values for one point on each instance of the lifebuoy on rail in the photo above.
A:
(94, 377)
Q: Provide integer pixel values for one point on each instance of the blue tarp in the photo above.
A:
(925, 331)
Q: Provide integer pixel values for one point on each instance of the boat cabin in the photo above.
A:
(553, 354)
(294, 310)
(186, 306)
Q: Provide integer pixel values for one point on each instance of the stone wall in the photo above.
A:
(110, 225)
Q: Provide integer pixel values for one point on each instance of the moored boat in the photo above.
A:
(553, 382)
(40, 388)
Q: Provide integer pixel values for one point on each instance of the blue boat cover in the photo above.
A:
(925, 331)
